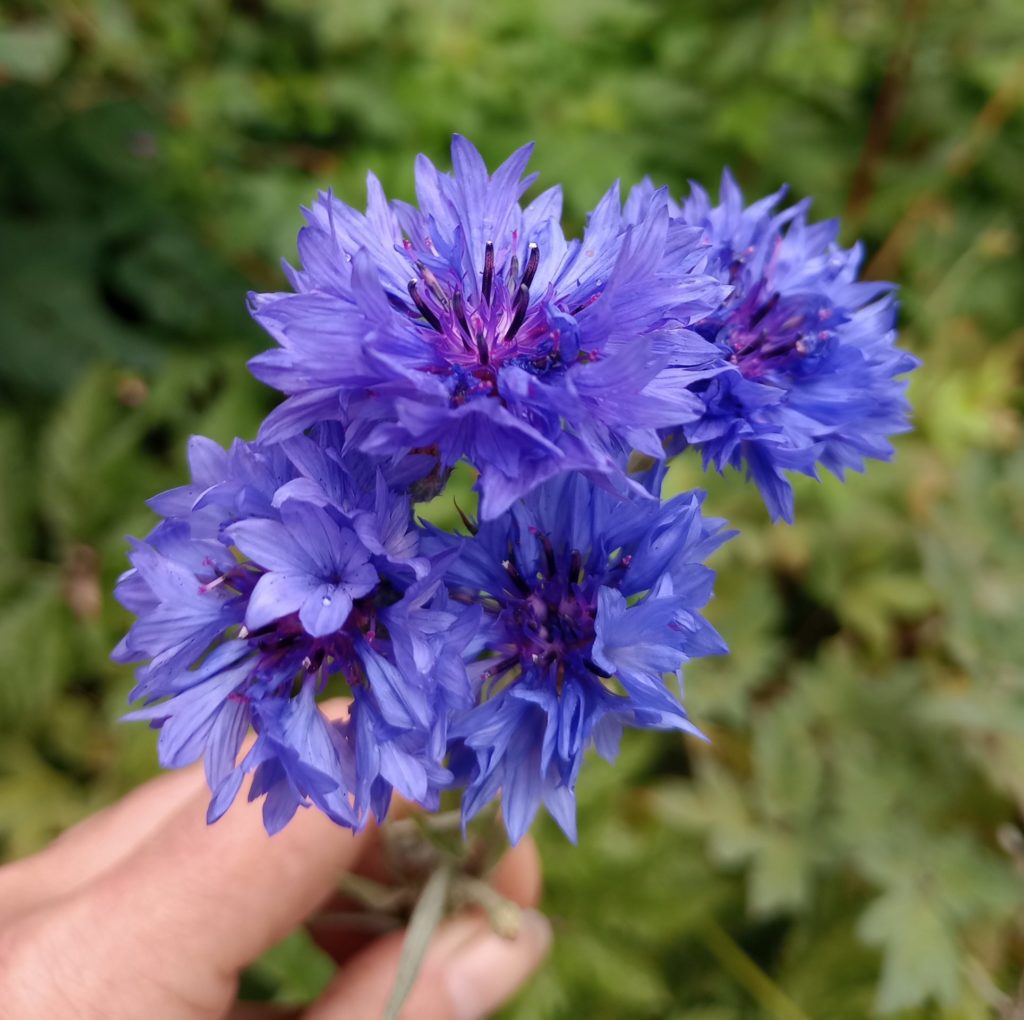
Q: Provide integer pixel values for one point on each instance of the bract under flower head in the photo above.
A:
(806, 366)
(588, 602)
(279, 573)
(471, 328)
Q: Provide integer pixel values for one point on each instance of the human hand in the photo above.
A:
(143, 910)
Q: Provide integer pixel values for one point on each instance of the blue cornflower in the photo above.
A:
(805, 371)
(312, 565)
(281, 571)
(469, 327)
(588, 602)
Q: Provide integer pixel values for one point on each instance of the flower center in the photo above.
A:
(475, 333)
(767, 336)
(548, 617)
(554, 618)
(285, 653)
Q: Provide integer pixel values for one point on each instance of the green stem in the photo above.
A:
(758, 985)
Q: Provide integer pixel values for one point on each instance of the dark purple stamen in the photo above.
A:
(482, 349)
(519, 316)
(400, 306)
(764, 309)
(531, 265)
(459, 307)
(423, 307)
(517, 579)
(549, 551)
(488, 272)
(501, 667)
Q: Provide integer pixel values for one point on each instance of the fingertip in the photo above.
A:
(469, 971)
(517, 876)
(489, 970)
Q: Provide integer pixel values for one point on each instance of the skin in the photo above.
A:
(144, 910)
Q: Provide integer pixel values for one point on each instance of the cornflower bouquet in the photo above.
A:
(482, 665)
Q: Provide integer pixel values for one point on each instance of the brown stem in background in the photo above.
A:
(961, 160)
(886, 109)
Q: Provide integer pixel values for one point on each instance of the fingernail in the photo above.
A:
(457, 933)
(483, 969)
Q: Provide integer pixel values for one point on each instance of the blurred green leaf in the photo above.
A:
(295, 968)
(32, 51)
(33, 635)
(921, 958)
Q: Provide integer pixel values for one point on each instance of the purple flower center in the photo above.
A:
(775, 334)
(547, 616)
(285, 653)
(474, 331)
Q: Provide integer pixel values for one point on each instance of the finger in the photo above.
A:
(103, 840)
(180, 917)
(338, 933)
(193, 904)
(518, 874)
(468, 972)
(96, 844)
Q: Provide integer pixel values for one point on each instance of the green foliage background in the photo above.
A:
(850, 840)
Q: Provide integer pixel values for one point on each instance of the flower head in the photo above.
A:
(282, 571)
(806, 369)
(470, 327)
(588, 602)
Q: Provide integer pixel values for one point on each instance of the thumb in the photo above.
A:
(468, 972)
